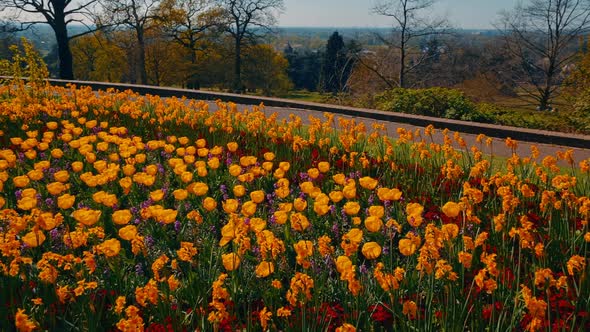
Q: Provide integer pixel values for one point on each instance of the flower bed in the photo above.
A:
(127, 213)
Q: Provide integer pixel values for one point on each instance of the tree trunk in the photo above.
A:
(237, 85)
(66, 67)
(141, 64)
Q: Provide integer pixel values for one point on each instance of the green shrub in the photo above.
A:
(437, 102)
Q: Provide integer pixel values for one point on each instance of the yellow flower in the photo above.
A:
(339, 179)
(200, 189)
(232, 146)
(371, 250)
(62, 176)
(87, 217)
(373, 224)
(368, 182)
(56, 188)
(34, 238)
(323, 166)
(235, 170)
(343, 263)
(180, 194)
(299, 204)
(209, 204)
(407, 247)
(21, 181)
(257, 196)
(346, 327)
(248, 208)
(239, 190)
(451, 209)
(313, 173)
(157, 195)
(109, 248)
(26, 203)
(264, 269)
(414, 212)
(77, 166)
(299, 222)
(336, 196)
(230, 205)
(48, 221)
(377, 211)
(122, 217)
(128, 232)
(230, 261)
(352, 208)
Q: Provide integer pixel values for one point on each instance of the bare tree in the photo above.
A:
(542, 36)
(139, 16)
(58, 14)
(409, 23)
(246, 18)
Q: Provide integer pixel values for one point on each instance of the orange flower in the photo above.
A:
(346, 327)
(230, 261)
(407, 247)
(22, 322)
(414, 212)
(451, 209)
(87, 217)
(299, 222)
(352, 208)
(66, 201)
(109, 248)
(34, 238)
(128, 232)
(371, 250)
(122, 217)
(368, 182)
(230, 205)
(21, 181)
(323, 166)
(209, 204)
(248, 208)
(257, 196)
(373, 224)
(576, 263)
(239, 190)
(180, 194)
(409, 309)
(264, 269)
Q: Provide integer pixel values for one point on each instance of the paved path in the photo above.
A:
(498, 147)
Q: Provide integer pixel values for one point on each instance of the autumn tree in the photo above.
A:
(139, 16)
(98, 58)
(58, 14)
(189, 23)
(265, 69)
(410, 22)
(541, 35)
(244, 20)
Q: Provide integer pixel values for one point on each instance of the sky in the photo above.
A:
(466, 14)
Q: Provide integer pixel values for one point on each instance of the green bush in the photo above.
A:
(437, 102)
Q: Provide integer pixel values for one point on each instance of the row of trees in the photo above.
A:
(188, 22)
(187, 41)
